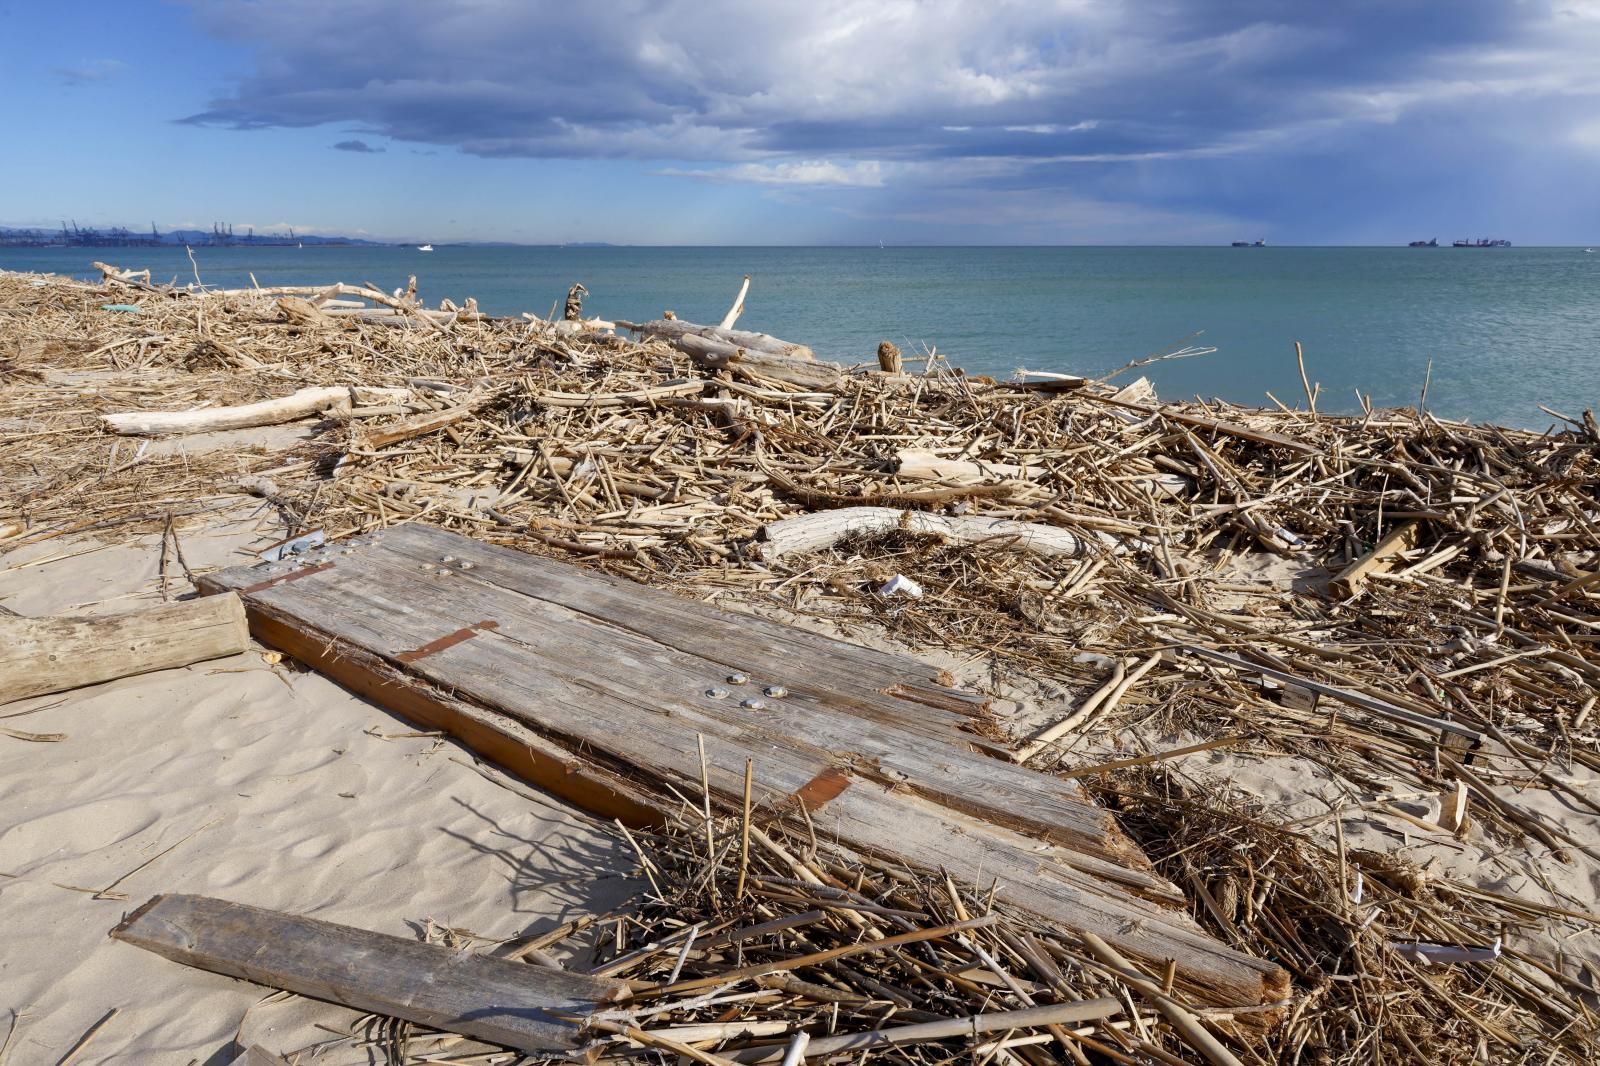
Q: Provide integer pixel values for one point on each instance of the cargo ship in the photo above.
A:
(1434, 243)
(1482, 242)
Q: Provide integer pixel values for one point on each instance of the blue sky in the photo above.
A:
(827, 121)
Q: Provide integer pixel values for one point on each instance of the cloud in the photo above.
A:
(358, 146)
(88, 73)
(866, 174)
(1176, 102)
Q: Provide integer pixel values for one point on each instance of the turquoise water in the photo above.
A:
(1506, 329)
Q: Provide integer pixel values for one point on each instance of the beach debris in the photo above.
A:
(1384, 556)
(573, 311)
(1204, 524)
(822, 529)
(302, 404)
(889, 360)
(530, 1008)
(884, 716)
(738, 306)
(900, 585)
(293, 546)
(40, 655)
(1444, 954)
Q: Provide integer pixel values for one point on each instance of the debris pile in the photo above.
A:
(1405, 605)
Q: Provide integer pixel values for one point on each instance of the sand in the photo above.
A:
(270, 786)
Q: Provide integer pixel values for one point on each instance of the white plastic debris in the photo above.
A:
(1439, 954)
(900, 585)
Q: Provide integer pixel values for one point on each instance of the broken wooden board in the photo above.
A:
(617, 684)
(512, 1004)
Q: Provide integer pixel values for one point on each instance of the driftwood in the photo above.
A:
(420, 424)
(889, 360)
(39, 655)
(301, 404)
(530, 1008)
(1182, 1021)
(714, 354)
(923, 464)
(901, 500)
(738, 306)
(673, 330)
(813, 532)
(573, 312)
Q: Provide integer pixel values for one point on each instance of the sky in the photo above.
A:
(815, 122)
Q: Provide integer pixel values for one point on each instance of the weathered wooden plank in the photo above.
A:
(1383, 557)
(508, 1003)
(790, 656)
(615, 683)
(616, 690)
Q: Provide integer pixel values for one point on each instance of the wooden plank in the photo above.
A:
(508, 1003)
(616, 684)
(790, 656)
(619, 691)
(1382, 558)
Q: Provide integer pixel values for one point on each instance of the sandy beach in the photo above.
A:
(247, 779)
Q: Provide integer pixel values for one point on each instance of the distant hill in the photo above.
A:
(75, 236)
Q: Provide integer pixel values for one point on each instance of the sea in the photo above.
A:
(1490, 333)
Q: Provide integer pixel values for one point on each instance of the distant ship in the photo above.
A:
(1249, 244)
(424, 247)
(1482, 242)
(1434, 243)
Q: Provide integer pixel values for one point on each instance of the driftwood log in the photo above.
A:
(721, 355)
(297, 405)
(39, 655)
(889, 360)
(821, 529)
(670, 330)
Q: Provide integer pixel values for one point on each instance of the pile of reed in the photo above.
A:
(1460, 664)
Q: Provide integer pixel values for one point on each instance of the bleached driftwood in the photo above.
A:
(714, 354)
(39, 655)
(820, 529)
(301, 404)
(673, 330)
(923, 464)
(738, 306)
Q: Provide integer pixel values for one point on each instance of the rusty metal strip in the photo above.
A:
(824, 787)
(449, 640)
(284, 579)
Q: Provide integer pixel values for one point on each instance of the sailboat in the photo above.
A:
(424, 247)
